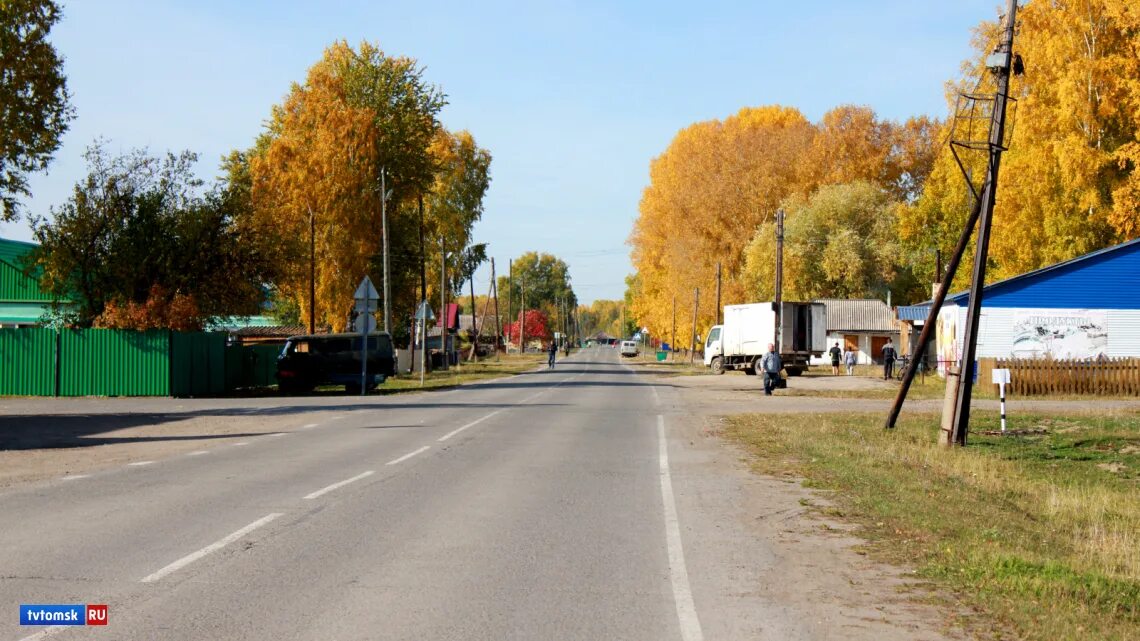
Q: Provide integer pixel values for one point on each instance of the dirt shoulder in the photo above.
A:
(794, 572)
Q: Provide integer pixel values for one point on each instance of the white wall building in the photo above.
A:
(1084, 308)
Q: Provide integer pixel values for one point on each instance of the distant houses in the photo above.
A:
(862, 326)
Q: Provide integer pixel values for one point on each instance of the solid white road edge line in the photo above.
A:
(471, 424)
(409, 455)
(334, 486)
(678, 574)
(213, 547)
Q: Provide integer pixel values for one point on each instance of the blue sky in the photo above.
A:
(573, 99)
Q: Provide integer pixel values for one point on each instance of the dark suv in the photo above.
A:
(311, 360)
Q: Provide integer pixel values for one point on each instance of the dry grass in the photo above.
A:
(1042, 532)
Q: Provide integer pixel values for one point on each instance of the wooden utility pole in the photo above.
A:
(1002, 64)
(522, 319)
(510, 294)
(779, 277)
(673, 338)
(384, 194)
(693, 342)
(443, 320)
(954, 431)
(718, 293)
(474, 323)
(498, 319)
(312, 273)
(423, 254)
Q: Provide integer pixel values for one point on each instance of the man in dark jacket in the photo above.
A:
(771, 365)
(835, 353)
(889, 356)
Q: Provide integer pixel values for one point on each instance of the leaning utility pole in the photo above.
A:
(693, 337)
(718, 292)
(1001, 63)
(779, 277)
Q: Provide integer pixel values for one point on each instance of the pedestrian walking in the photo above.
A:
(836, 353)
(771, 365)
(889, 355)
(553, 354)
(850, 357)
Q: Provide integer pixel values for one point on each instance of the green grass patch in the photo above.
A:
(1041, 533)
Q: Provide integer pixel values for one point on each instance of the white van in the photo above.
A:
(628, 348)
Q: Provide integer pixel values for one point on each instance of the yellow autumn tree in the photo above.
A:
(314, 180)
(1068, 183)
(719, 181)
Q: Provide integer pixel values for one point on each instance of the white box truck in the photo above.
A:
(743, 339)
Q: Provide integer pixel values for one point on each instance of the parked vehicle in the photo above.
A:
(743, 339)
(629, 348)
(320, 359)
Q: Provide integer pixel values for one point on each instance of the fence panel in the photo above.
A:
(197, 363)
(113, 362)
(27, 361)
(1044, 377)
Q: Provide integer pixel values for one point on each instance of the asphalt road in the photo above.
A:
(536, 507)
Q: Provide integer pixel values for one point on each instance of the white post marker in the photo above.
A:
(1001, 379)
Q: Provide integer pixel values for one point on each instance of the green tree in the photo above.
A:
(544, 280)
(34, 102)
(839, 243)
(140, 244)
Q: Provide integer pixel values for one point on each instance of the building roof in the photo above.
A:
(15, 285)
(913, 312)
(1104, 279)
(859, 315)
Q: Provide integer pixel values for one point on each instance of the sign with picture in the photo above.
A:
(1060, 334)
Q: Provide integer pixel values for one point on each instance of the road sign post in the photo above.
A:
(366, 297)
(1001, 379)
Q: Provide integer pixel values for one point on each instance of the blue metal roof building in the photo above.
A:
(1105, 279)
(1086, 307)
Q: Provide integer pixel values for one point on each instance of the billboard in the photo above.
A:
(1060, 334)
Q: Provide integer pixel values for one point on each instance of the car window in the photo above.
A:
(713, 335)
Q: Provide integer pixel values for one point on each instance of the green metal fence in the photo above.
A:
(106, 362)
(111, 362)
(27, 362)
